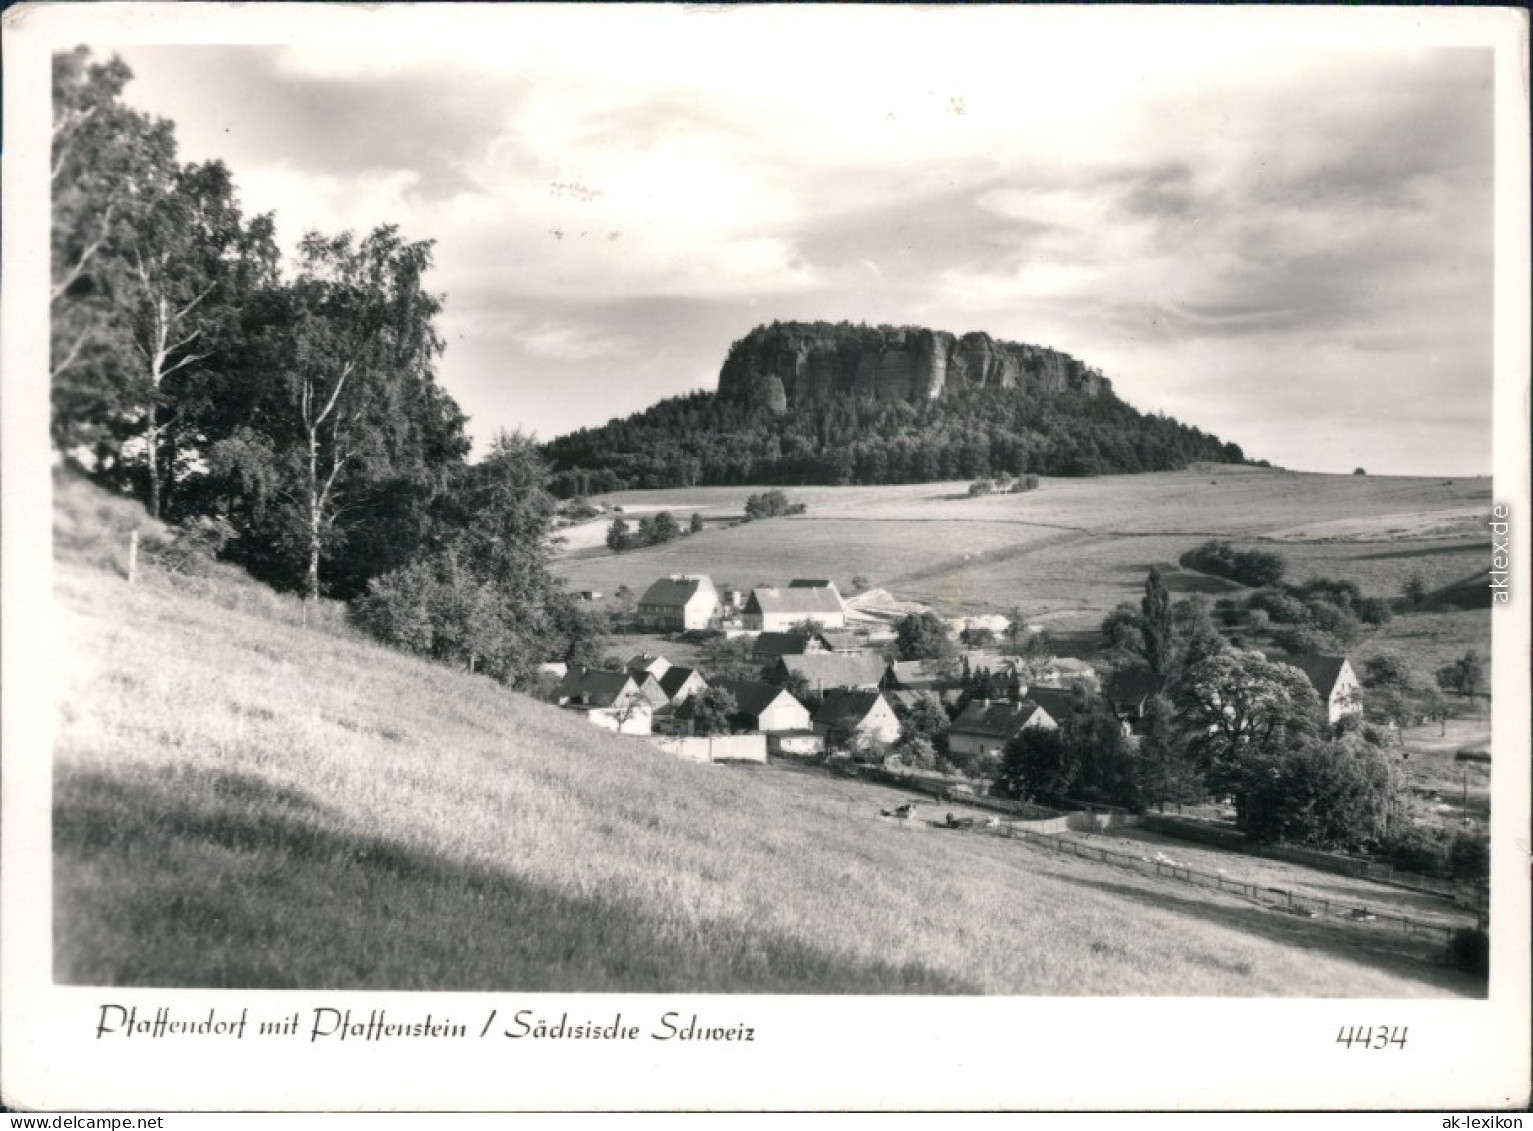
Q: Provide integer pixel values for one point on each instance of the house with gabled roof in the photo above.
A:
(770, 609)
(611, 700)
(678, 603)
(647, 663)
(987, 726)
(1129, 690)
(769, 646)
(829, 671)
(763, 707)
(845, 715)
(680, 684)
(1059, 702)
(1334, 681)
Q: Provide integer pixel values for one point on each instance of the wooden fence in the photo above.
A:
(1305, 906)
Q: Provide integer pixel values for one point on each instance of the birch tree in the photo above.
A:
(363, 333)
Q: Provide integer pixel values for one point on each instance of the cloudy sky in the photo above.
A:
(1251, 223)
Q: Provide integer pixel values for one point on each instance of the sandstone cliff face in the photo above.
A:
(790, 363)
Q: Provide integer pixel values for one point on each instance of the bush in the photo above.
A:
(1279, 606)
(1417, 849)
(981, 487)
(1249, 567)
(1469, 856)
(1469, 950)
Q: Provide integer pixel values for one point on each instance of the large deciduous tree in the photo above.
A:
(1240, 712)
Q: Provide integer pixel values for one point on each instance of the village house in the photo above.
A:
(1333, 680)
(762, 707)
(828, 671)
(1059, 702)
(770, 609)
(987, 726)
(611, 700)
(1128, 692)
(680, 684)
(1065, 671)
(771, 645)
(845, 715)
(678, 603)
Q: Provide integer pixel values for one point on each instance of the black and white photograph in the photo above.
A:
(773, 556)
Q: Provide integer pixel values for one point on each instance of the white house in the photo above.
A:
(677, 603)
(846, 714)
(1333, 680)
(986, 726)
(765, 708)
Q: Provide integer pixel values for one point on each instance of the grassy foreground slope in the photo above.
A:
(241, 803)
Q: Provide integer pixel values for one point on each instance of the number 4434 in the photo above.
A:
(1372, 1036)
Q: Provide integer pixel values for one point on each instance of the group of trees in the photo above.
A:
(298, 409)
(653, 530)
(771, 504)
(1249, 567)
(1229, 722)
(968, 433)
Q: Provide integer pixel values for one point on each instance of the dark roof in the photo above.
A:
(1059, 702)
(799, 602)
(650, 688)
(843, 710)
(671, 682)
(751, 696)
(1129, 687)
(594, 687)
(780, 644)
(844, 641)
(674, 592)
(913, 675)
(645, 661)
(1322, 671)
(830, 670)
(809, 583)
(996, 718)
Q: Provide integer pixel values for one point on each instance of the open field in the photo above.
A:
(1070, 551)
(241, 803)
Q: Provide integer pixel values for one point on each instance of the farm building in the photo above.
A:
(828, 671)
(770, 609)
(1333, 680)
(680, 684)
(763, 707)
(847, 714)
(677, 603)
(986, 726)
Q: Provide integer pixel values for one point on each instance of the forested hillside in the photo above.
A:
(847, 428)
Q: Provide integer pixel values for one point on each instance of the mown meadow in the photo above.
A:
(242, 802)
